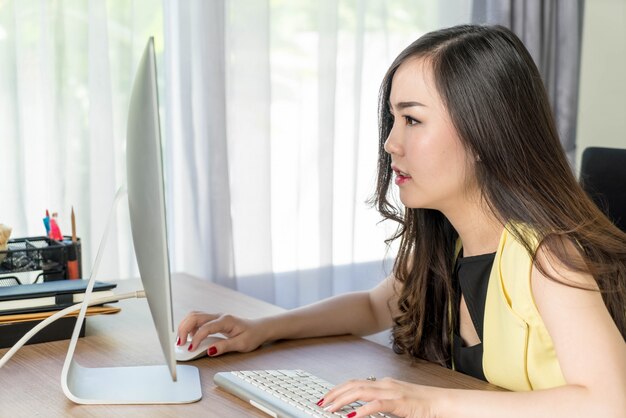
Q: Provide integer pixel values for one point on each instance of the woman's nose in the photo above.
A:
(392, 144)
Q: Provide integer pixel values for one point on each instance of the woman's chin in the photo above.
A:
(413, 203)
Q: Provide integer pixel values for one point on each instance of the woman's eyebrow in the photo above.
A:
(404, 105)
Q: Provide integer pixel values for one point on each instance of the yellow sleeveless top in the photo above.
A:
(518, 353)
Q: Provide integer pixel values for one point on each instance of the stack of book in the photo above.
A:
(22, 307)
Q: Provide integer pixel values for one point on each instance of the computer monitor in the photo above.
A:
(146, 201)
(167, 383)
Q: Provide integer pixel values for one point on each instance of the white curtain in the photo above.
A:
(65, 74)
(271, 119)
(268, 118)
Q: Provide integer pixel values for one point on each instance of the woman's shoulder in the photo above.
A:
(524, 233)
(552, 254)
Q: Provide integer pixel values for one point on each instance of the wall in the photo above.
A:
(602, 100)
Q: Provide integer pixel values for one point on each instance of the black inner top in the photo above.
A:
(470, 279)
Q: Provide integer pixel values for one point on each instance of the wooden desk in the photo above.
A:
(30, 382)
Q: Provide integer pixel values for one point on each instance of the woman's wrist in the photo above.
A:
(442, 401)
(269, 328)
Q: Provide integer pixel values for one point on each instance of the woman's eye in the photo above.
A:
(410, 121)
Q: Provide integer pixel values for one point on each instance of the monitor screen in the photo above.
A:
(146, 200)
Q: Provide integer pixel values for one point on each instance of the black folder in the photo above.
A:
(55, 295)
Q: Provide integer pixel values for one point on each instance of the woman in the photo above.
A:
(506, 270)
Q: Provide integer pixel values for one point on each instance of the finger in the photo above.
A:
(338, 394)
(337, 390)
(223, 324)
(190, 324)
(361, 391)
(385, 383)
(226, 346)
(389, 406)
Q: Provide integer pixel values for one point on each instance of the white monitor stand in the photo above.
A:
(127, 385)
(130, 385)
(124, 385)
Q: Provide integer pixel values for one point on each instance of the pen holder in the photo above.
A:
(43, 257)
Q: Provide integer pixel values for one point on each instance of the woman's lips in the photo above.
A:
(401, 176)
(400, 179)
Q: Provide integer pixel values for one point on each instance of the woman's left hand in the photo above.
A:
(386, 395)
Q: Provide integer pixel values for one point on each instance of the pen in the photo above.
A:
(72, 259)
(73, 226)
(46, 222)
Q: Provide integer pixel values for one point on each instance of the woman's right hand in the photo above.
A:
(241, 334)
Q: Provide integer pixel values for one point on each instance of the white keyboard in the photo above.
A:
(283, 393)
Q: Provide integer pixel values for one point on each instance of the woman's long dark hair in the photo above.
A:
(498, 105)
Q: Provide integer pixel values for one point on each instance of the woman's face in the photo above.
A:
(428, 159)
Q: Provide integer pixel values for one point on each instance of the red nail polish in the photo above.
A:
(190, 347)
(320, 402)
(178, 341)
(351, 414)
(212, 350)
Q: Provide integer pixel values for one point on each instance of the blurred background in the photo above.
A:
(268, 118)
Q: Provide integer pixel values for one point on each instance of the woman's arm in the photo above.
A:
(590, 349)
(358, 313)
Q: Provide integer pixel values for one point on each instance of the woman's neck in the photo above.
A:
(478, 228)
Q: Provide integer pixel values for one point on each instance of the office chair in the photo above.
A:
(603, 176)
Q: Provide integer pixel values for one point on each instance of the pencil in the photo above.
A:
(73, 226)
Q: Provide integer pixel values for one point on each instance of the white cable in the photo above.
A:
(106, 299)
(121, 192)
(87, 301)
